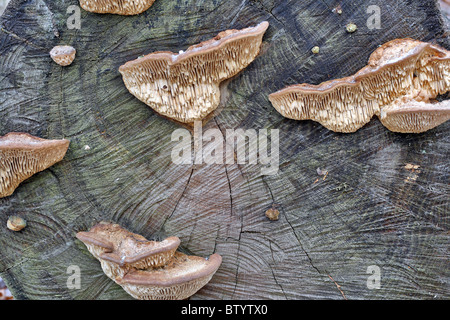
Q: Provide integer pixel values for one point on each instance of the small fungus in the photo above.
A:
(272, 214)
(63, 55)
(148, 270)
(351, 27)
(122, 7)
(399, 85)
(16, 223)
(22, 155)
(185, 86)
(315, 50)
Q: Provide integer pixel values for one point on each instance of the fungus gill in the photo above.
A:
(415, 116)
(22, 155)
(122, 7)
(399, 85)
(185, 86)
(148, 270)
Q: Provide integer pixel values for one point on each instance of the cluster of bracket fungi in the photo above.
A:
(400, 84)
(148, 270)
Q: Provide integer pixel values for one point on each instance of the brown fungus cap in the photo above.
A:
(185, 86)
(111, 243)
(22, 155)
(148, 269)
(178, 280)
(122, 7)
(63, 55)
(402, 71)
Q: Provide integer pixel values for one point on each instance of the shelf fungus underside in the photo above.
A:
(148, 270)
(121, 7)
(23, 155)
(400, 85)
(185, 86)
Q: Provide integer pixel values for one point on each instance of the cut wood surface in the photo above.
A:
(347, 202)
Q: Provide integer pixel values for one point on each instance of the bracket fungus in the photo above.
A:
(148, 270)
(22, 155)
(178, 280)
(272, 214)
(185, 86)
(400, 85)
(122, 7)
(63, 55)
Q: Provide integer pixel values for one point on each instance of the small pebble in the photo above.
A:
(63, 55)
(272, 214)
(16, 223)
(351, 27)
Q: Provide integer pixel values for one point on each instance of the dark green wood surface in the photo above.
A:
(368, 210)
